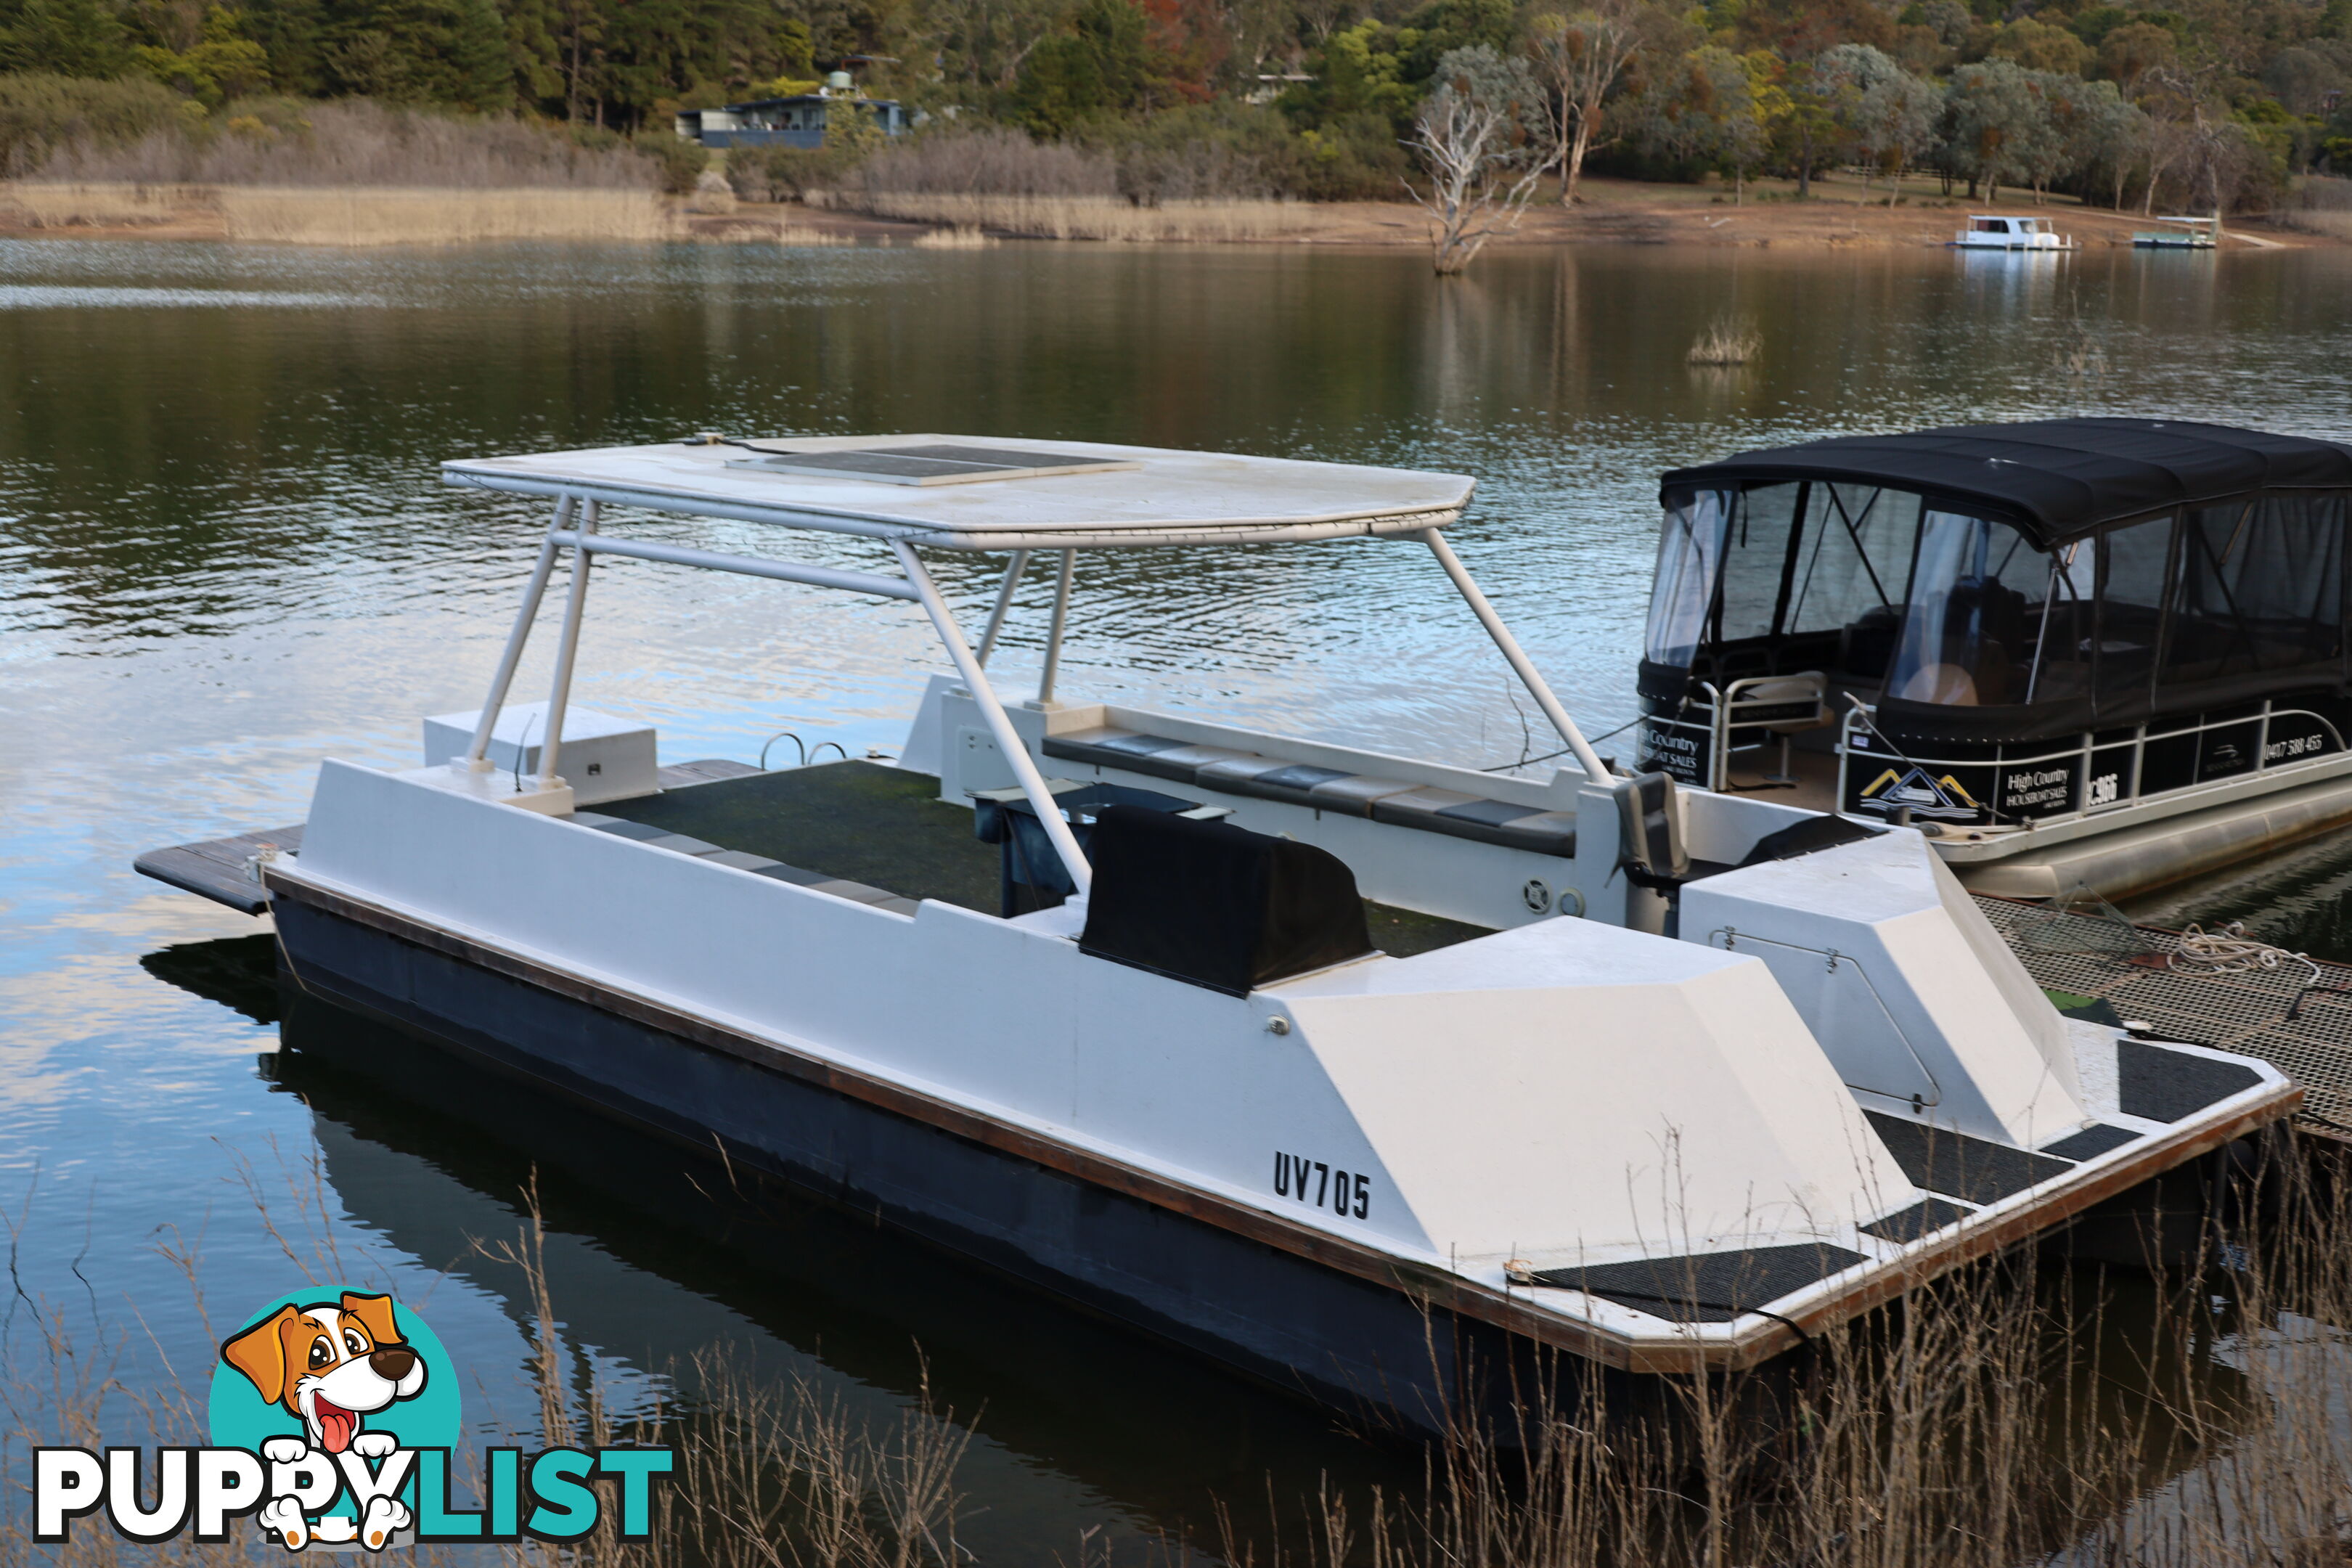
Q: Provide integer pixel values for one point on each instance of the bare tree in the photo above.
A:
(1583, 58)
(1486, 136)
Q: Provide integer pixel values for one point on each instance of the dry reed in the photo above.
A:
(364, 217)
(310, 216)
(356, 143)
(1726, 343)
(2024, 1410)
(964, 237)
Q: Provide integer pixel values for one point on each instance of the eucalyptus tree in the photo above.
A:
(1485, 135)
(1887, 115)
(2105, 133)
(1701, 111)
(1582, 58)
(1997, 124)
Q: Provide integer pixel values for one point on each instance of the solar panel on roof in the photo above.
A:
(930, 465)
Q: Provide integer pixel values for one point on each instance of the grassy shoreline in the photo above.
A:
(1615, 212)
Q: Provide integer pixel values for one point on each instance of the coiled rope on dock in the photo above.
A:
(2230, 951)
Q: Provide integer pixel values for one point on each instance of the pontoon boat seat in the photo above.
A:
(1215, 905)
(1394, 801)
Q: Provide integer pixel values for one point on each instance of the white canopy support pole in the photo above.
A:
(560, 691)
(1517, 659)
(1054, 636)
(476, 754)
(999, 723)
(1003, 603)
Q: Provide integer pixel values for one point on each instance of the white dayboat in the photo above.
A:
(1144, 1050)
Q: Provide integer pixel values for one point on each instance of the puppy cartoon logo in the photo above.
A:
(339, 1392)
(334, 1417)
(330, 1366)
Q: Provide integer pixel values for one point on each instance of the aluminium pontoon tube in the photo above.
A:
(1053, 665)
(559, 691)
(476, 757)
(1585, 756)
(1003, 603)
(999, 723)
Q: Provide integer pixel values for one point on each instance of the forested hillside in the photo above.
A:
(2202, 101)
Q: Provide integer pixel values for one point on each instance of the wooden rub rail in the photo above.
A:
(2299, 1023)
(224, 869)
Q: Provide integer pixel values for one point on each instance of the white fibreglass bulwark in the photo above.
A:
(1167, 497)
(1566, 1092)
(1906, 985)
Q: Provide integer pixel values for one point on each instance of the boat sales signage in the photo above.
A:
(334, 1418)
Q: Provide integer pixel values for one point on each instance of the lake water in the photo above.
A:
(222, 555)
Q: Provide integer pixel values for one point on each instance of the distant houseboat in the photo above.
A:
(1988, 231)
(798, 121)
(2101, 652)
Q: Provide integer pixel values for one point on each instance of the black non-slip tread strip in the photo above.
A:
(1911, 1224)
(1705, 1287)
(2091, 1142)
(2165, 1086)
(1973, 1170)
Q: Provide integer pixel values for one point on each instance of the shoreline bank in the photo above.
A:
(1612, 213)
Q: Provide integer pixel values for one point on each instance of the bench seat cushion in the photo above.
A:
(1326, 789)
(1269, 779)
(1157, 756)
(1485, 821)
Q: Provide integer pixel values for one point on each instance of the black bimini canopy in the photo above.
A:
(2057, 479)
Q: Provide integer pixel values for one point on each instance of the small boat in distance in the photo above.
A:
(2102, 653)
(2194, 234)
(1342, 1066)
(1992, 231)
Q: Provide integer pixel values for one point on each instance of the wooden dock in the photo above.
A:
(2298, 1023)
(221, 869)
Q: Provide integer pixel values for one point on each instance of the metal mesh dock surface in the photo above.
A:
(2125, 967)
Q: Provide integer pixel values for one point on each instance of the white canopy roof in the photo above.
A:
(1154, 495)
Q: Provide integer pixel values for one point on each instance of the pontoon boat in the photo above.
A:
(1297, 1053)
(2075, 653)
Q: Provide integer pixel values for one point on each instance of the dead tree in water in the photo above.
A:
(1486, 138)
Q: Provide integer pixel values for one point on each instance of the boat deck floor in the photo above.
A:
(886, 828)
(2101, 968)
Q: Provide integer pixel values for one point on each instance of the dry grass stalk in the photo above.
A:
(1727, 342)
(308, 216)
(1091, 218)
(2020, 1411)
(367, 217)
(354, 143)
(765, 1476)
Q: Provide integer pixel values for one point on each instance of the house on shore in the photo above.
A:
(795, 121)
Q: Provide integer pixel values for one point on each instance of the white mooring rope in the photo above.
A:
(2231, 951)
